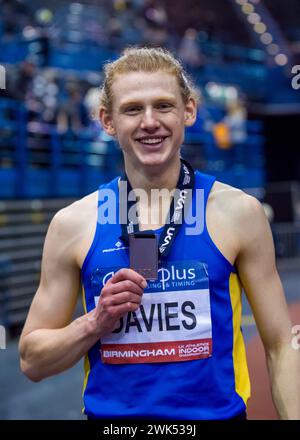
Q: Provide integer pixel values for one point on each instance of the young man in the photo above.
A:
(172, 348)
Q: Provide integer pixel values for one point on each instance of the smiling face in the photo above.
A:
(148, 117)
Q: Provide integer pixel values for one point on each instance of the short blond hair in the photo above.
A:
(135, 59)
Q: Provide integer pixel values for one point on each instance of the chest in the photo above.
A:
(212, 226)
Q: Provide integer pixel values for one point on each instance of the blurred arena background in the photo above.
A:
(244, 56)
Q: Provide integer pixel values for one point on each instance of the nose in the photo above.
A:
(150, 120)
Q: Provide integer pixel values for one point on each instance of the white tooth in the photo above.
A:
(151, 141)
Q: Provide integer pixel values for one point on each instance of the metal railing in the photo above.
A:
(38, 161)
(23, 226)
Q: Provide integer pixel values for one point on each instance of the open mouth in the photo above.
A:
(152, 142)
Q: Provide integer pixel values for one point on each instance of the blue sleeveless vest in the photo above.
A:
(214, 385)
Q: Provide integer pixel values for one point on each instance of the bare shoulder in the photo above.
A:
(235, 220)
(77, 213)
(73, 226)
(233, 200)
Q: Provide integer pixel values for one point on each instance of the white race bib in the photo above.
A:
(168, 327)
(173, 323)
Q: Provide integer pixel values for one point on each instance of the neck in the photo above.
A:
(148, 178)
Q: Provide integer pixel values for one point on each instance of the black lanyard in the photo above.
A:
(180, 202)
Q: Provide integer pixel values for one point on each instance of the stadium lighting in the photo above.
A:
(281, 59)
(254, 18)
(247, 8)
(260, 28)
(266, 38)
(273, 49)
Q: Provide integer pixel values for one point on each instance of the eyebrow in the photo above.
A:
(166, 98)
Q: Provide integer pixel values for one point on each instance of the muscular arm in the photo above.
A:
(51, 342)
(260, 279)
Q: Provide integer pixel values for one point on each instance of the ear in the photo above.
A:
(190, 112)
(106, 120)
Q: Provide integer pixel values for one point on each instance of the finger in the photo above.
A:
(114, 312)
(128, 274)
(124, 297)
(122, 286)
(122, 309)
